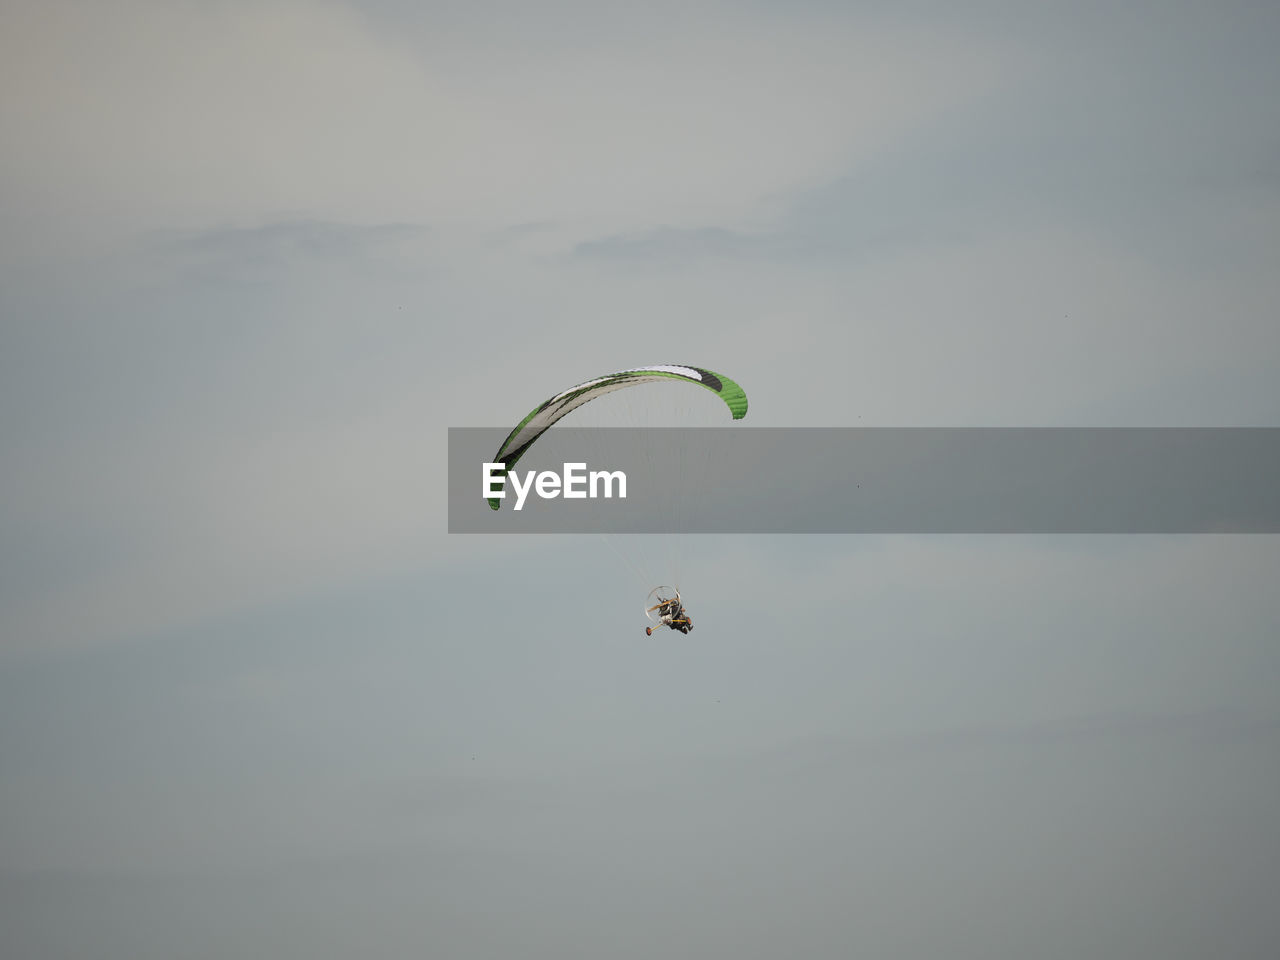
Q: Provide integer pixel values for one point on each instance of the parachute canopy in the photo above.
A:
(545, 415)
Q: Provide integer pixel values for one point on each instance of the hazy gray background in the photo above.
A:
(255, 257)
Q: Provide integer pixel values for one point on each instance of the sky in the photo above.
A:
(257, 257)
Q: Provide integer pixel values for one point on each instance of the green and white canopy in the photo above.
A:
(546, 414)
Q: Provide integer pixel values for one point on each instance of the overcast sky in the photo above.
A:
(256, 257)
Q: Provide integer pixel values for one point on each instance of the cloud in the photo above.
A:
(671, 244)
(1080, 125)
(314, 239)
(179, 115)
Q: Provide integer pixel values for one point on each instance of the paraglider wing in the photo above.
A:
(544, 416)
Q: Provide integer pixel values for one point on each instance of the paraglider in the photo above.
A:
(664, 607)
(667, 611)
